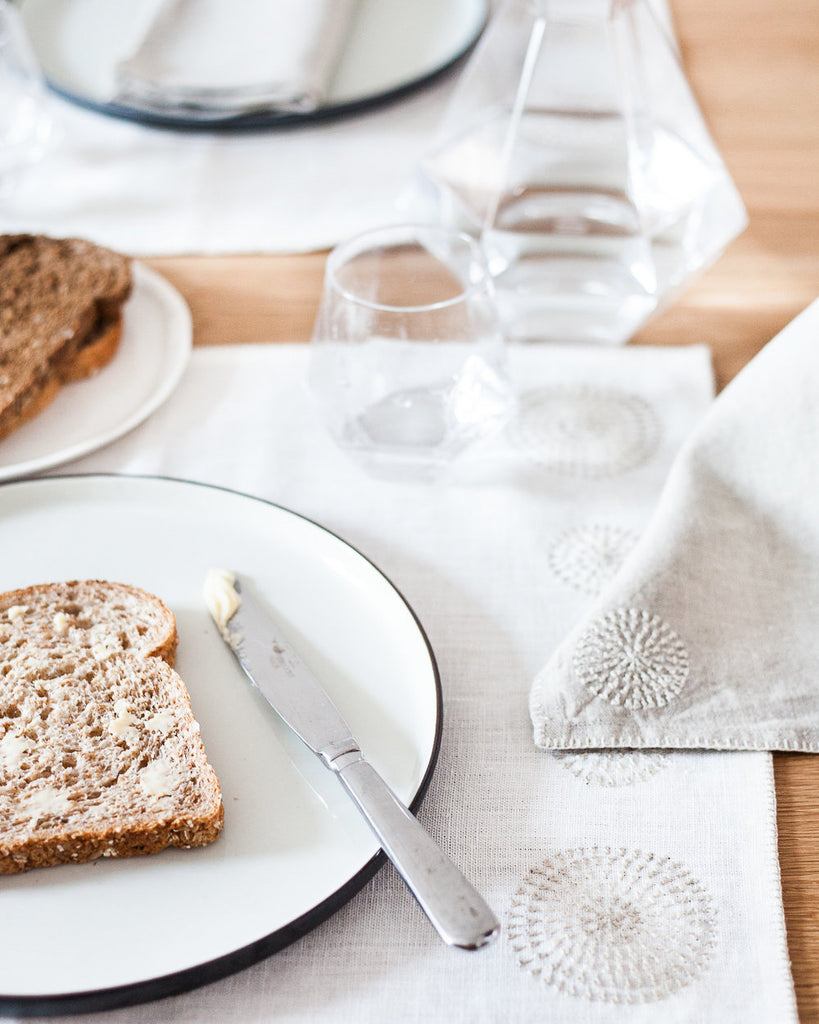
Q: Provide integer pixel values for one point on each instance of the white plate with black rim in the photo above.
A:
(394, 47)
(152, 355)
(294, 849)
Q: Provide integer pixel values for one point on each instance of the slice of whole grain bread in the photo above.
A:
(60, 318)
(100, 754)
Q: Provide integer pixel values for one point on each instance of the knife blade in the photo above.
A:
(454, 907)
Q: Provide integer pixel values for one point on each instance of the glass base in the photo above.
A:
(421, 430)
(406, 421)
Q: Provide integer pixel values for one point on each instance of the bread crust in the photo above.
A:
(81, 847)
(89, 702)
(96, 353)
(42, 392)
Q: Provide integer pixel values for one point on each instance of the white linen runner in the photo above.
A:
(632, 887)
(153, 191)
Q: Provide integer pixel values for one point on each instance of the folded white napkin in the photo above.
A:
(236, 57)
(707, 637)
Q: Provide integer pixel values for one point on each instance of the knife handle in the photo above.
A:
(454, 907)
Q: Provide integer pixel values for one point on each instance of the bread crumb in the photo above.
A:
(156, 778)
(12, 749)
(17, 611)
(101, 651)
(61, 623)
(162, 721)
(118, 727)
(43, 802)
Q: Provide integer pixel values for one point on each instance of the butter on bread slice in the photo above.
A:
(100, 754)
(61, 304)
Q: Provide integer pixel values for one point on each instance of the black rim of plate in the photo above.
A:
(213, 970)
(271, 119)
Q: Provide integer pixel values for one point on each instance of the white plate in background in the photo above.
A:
(394, 45)
(86, 415)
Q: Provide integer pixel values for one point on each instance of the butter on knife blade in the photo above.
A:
(454, 907)
(222, 600)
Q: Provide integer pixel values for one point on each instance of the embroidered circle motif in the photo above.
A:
(616, 926)
(587, 431)
(587, 557)
(612, 767)
(633, 659)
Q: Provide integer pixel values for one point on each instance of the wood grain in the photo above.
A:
(754, 67)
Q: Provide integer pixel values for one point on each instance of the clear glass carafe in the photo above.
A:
(574, 147)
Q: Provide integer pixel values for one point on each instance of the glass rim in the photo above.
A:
(413, 230)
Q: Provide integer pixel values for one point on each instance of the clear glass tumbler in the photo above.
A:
(26, 127)
(407, 359)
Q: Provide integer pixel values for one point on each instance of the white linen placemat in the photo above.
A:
(154, 191)
(708, 638)
(632, 887)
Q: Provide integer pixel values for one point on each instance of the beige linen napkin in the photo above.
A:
(708, 637)
(235, 57)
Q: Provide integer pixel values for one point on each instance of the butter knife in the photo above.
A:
(453, 906)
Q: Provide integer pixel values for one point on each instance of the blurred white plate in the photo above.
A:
(294, 849)
(394, 46)
(152, 355)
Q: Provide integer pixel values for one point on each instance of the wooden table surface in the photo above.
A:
(754, 67)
